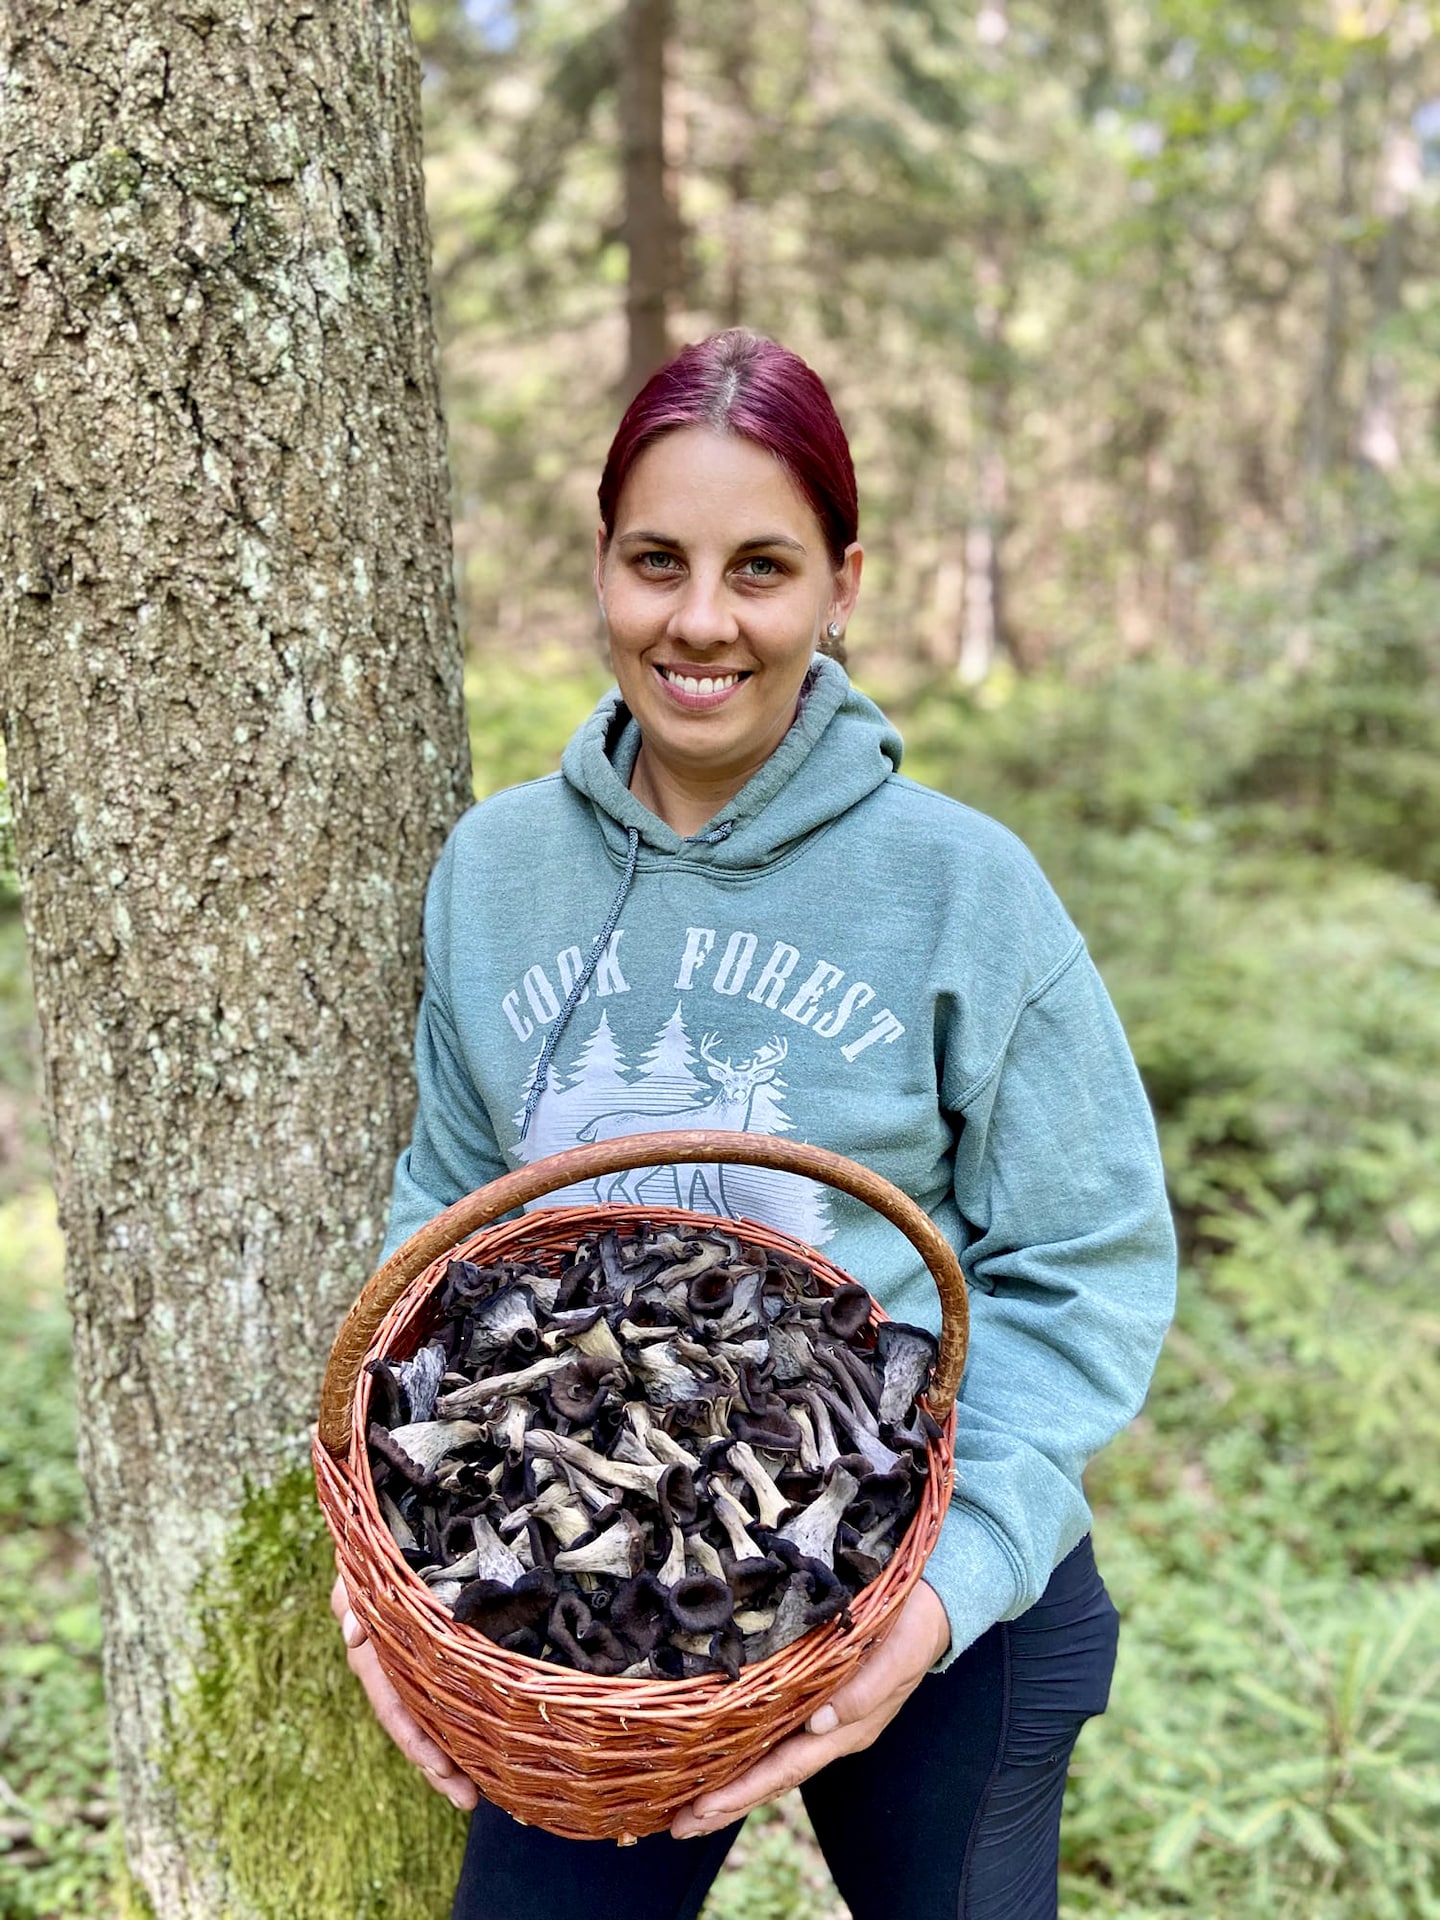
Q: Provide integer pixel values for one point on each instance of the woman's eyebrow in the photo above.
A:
(652, 539)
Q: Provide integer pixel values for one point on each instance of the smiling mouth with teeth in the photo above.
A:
(700, 685)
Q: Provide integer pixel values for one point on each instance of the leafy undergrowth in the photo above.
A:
(56, 1799)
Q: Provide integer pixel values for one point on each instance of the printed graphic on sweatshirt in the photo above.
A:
(592, 1093)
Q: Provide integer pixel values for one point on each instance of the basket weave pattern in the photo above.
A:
(579, 1755)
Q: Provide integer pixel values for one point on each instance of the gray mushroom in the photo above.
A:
(591, 1495)
(660, 1445)
(812, 1530)
(465, 1399)
(508, 1431)
(862, 1430)
(558, 1507)
(744, 1307)
(610, 1473)
(590, 1333)
(620, 1551)
(713, 1252)
(420, 1378)
(495, 1322)
(843, 1385)
(770, 1503)
(809, 1453)
(906, 1355)
(863, 1379)
(878, 1543)
(672, 1568)
(787, 1625)
(663, 1374)
(699, 1549)
(827, 1448)
(790, 1352)
(493, 1559)
(399, 1527)
(428, 1442)
(733, 1518)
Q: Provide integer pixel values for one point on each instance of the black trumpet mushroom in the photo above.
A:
(638, 1612)
(700, 1604)
(845, 1312)
(591, 1646)
(499, 1611)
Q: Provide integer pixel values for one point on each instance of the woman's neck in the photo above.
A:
(682, 801)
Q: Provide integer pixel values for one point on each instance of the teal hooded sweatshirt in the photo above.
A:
(852, 959)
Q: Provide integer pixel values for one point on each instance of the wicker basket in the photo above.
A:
(586, 1757)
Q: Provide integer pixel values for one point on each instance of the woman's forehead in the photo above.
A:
(697, 482)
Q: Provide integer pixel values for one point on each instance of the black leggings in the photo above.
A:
(954, 1811)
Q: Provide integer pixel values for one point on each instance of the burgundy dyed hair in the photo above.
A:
(740, 382)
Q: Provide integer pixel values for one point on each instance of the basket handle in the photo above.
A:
(512, 1190)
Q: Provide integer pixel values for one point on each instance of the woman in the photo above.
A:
(792, 937)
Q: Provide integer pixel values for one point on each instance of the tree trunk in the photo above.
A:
(235, 733)
(1399, 182)
(649, 218)
(983, 612)
(739, 63)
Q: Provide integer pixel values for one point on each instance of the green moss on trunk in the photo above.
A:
(283, 1776)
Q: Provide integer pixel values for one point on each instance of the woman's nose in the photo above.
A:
(703, 617)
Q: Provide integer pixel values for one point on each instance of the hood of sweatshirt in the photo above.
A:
(839, 749)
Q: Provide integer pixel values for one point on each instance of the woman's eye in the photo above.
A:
(659, 562)
(764, 568)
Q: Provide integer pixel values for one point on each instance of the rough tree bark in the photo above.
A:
(649, 222)
(233, 717)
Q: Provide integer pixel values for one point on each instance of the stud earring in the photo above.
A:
(833, 630)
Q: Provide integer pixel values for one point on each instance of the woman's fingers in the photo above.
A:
(416, 1745)
(848, 1722)
(390, 1710)
(882, 1681)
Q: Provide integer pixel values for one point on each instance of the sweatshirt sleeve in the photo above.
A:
(1071, 1267)
(453, 1148)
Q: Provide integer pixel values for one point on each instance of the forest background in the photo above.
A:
(1132, 313)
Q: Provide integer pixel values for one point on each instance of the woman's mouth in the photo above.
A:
(696, 691)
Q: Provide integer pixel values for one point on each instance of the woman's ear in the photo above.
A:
(847, 586)
(601, 545)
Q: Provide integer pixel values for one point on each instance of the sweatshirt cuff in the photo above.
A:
(975, 1576)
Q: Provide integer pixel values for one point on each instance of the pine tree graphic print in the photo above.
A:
(598, 1097)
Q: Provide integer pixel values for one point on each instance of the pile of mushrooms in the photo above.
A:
(668, 1454)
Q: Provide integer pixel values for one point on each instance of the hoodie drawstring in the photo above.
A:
(602, 941)
(712, 836)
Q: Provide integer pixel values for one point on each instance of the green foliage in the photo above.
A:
(775, 1871)
(1270, 1749)
(275, 1721)
(55, 1793)
(9, 878)
(522, 715)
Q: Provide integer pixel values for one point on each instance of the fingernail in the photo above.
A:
(350, 1630)
(824, 1720)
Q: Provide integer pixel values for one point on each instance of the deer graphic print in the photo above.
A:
(598, 1098)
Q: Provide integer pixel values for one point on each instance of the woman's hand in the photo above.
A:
(867, 1703)
(417, 1746)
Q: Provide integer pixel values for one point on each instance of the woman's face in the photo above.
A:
(716, 586)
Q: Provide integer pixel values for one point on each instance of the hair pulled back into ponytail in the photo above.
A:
(740, 382)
